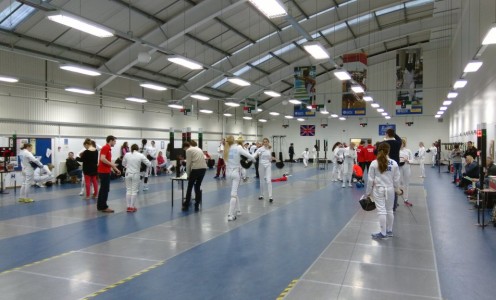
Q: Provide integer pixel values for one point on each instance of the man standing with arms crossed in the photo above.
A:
(105, 166)
(394, 142)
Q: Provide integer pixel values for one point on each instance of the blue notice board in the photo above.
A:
(384, 127)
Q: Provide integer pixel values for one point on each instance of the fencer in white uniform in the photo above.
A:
(152, 151)
(314, 155)
(337, 161)
(381, 187)
(148, 152)
(350, 157)
(132, 162)
(43, 175)
(232, 155)
(265, 169)
(434, 155)
(305, 155)
(421, 158)
(406, 158)
(27, 171)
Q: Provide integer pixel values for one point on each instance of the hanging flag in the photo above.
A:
(307, 130)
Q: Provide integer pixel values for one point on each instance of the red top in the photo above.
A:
(357, 170)
(369, 153)
(360, 153)
(160, 160)
(103, 167)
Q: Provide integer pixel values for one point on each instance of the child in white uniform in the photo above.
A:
(406, 158)
(350, 156)
(132, 161)
(27, 171)
(314, 155)
(433, 151)
(337, 161)
(421, 157)
(305, 154)
(232, 155)
(383, 182)
(264, 168)
(43, 175)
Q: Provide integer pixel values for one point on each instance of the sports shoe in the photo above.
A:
(145, 188)
(28, 200)
(22, 199)
(231, 218)
(389, 234)
(408, 203)
(379, 236)
(238, 213)
(134, 209)
(271, 200)
(130, 209)
(350, 185)
(343, 186)
(81, 193)
(216, 177)
(260, 198)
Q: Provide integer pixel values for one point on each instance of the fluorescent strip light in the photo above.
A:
(461, 83)
(375, 105)
(368, 98)
(259, 109)
(452, 95)
(153, 86)
(447, 102)
(443, 108)
(80, 23)
(316, 50)
(247, 118)
(334, 116)
(288, 117)
(270, 8)
(187, 63)
(80, 91)
(273, 113)
(228, 115)
(176, 106)
(387, 117)
(206, 111)
(490, 37)
(238, 81)
(294, 101)
(472, 66)
(342, 118)
(272, 93)
(262, 120)
(8, 79)
(80, 70)
(200, 97)
(232, 104)
(357, 89)
(437, 116)
(134, 99)
(324, 112)
(384, 114)
(309, 107)
(380, 110)
(300, 119)
(342, 75)
(440, 112)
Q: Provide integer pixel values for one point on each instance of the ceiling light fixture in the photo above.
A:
(289, 117)
(342, 75)
(384, 114)
(472, 66)
(324, 112)
(80, 90)
(334, 116)
(206, 111)
(238, 81)
(135, 99)
(490, 37)
(262, 120)
(357, 89)
(300, 120)
(368, 98)
(8, 79)
(342, 118)
(187, 63)
(294, 101)
(177, 106)
(80, 70)
(200, 97)
(80, 23)
(437, 116)
(228, 115)
(387, 117)
(375, 105)
(316, 50)
(447, 102)
(443, 108)
(153, 86)
(259, 109)
(247, 118)
(272, 94)
(270, 8)
(461, 83)
(273, 113)
(452, 95)
(380, 110)
(232, 104)
(440, 112)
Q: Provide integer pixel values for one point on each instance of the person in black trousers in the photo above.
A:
(257, 161)
(394, 142)
(291, 152)
(196, 167)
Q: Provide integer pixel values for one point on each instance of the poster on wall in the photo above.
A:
(307, 130)
(409, 82)
(304, 90)
(352, 104)
(384, 127)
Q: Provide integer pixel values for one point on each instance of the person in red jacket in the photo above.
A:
(369, 154)
(361, 154)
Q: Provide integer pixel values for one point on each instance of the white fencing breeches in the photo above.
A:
(265, 172)
(234, 174)
(28, 179)
(405, 172)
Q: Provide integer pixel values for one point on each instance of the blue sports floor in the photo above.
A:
(313, 242)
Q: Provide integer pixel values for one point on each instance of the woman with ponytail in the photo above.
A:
(28, 164)
(383, 182)
(232, 156)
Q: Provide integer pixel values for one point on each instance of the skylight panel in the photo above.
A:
(333, 29)
(319, 13)
(359, 19)
(389, 10)
(242, 70)
(245, 47)
(417, 3)
(14, 14)
(285, 49)
(262, 60)
(219, 83)
(346, 3)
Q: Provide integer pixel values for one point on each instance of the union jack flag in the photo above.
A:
(307, 130)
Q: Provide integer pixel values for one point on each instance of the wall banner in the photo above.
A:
(409, 82)
(304, 90)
